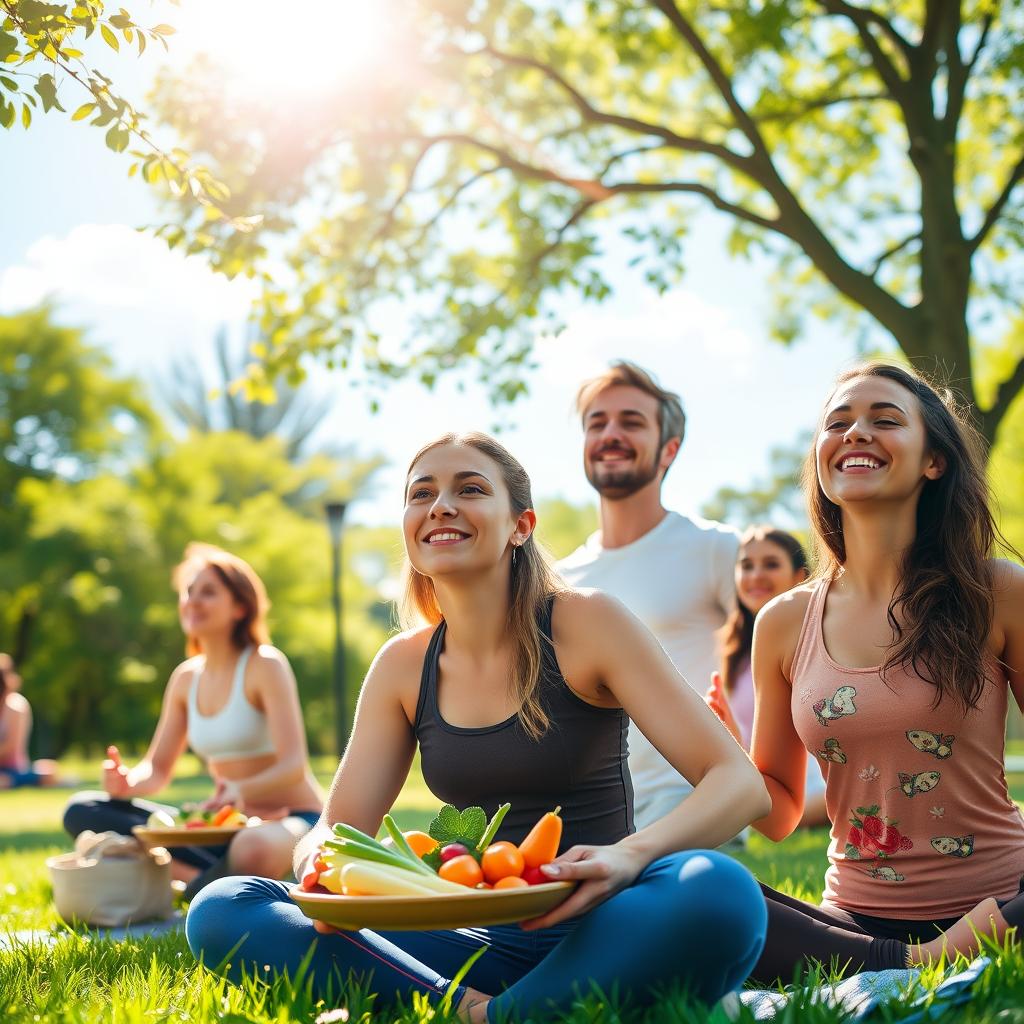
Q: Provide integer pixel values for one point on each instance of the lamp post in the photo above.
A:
(335, 524)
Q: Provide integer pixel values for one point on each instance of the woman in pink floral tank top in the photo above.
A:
(894, 669)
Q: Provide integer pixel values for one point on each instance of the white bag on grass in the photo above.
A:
(111, 880)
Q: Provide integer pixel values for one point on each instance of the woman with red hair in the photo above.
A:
(235, 703)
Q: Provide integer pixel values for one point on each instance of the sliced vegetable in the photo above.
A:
(362, 878)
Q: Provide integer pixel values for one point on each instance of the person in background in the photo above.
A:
(235, 702)
(16, 768)
(770, 562)
(673, 572)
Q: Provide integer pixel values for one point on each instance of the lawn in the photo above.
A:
(152, 980)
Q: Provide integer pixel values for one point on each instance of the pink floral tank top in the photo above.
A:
(923, 825)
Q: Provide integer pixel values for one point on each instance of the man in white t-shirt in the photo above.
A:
(674, 573)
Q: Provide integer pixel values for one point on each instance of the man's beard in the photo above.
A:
(622, 483)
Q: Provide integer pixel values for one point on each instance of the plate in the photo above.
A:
(417, 913)
(206, 836)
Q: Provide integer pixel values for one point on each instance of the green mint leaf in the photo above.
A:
(452, 826)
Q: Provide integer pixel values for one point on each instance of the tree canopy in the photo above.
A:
(509, 152)
(875, 153)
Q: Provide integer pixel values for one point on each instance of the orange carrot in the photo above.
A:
(222, 815)
(541, 845)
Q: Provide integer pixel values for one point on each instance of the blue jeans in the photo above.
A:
(697, 918)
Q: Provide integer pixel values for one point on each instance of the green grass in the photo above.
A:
(154, 980)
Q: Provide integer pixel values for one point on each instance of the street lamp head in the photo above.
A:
(335, 518)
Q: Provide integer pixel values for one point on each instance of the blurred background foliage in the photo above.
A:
(98, 499)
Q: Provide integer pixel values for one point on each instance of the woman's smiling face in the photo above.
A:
(763, 571)
(458, 516)
(207, 607)
(872, 443)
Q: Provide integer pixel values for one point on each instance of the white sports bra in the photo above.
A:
(237, 730)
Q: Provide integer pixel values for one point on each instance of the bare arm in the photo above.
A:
(637, 673)
(18, 716)
(775, 747)
(379, 753)
(153, 772)
(608, 656)
(1008, 585)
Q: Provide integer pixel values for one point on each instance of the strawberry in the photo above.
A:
(873, 825)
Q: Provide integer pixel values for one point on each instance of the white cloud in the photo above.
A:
(147, 301)
(115, 266)
(659, 333)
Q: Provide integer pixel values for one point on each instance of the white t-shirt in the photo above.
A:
(678, 580)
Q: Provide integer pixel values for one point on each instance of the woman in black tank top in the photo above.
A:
(520, 690)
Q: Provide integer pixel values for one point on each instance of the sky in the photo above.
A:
(70, 232)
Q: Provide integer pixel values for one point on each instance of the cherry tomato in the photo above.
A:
(464, 870)
(534, 876)
(511, 882)
(421, 843)
(500, 860)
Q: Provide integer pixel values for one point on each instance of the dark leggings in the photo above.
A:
(101, 813)
(800, 934)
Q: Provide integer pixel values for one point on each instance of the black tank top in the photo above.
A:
(578, 763)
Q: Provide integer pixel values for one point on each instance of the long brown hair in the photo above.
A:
(736, 637)
(532, 581)
(243, 584)
(942, 609)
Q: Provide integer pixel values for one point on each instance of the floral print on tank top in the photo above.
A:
(923, 825)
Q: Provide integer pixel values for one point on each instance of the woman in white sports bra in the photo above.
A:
(235, 703)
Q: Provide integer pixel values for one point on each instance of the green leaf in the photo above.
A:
(8, 83)
(118, 138)
(8, 45)
(26, 115)
(454, 826)
(47, 89)
(109, 38)
(83, 111)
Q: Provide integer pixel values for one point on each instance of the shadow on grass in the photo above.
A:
(28, 841)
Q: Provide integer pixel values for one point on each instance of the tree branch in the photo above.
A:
(577, 215)
(625, 154)
(893, 250)
(1006, 393)
(695, 188)
(996, 209)
(868, 15)
(960, 73)
(862, 18)
(591, 114)
(820, 104)
(717, 74)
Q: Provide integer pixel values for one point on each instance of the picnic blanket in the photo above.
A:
(862, 994)
(49, 937)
